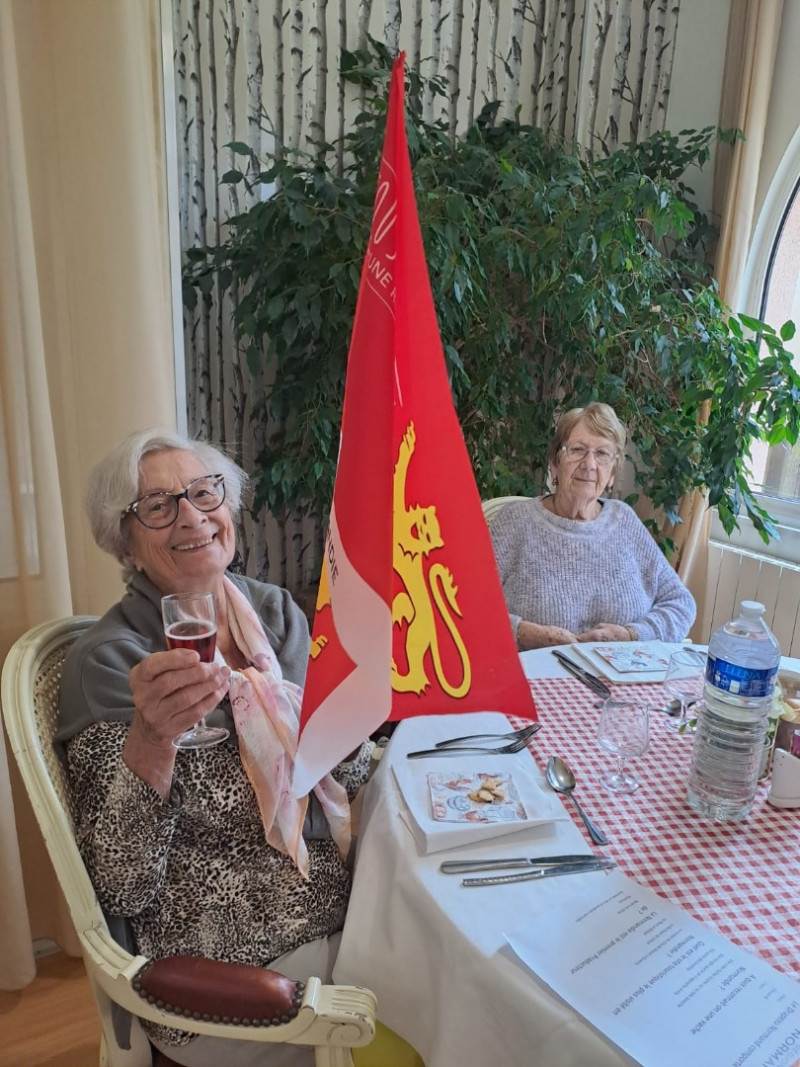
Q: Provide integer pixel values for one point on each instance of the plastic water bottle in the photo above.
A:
(742, 664)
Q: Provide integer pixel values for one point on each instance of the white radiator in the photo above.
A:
(735, 574)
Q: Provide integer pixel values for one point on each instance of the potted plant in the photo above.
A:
(557, 281)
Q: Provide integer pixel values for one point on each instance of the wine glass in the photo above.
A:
(190, 621)
(624, 733)
(684, 682)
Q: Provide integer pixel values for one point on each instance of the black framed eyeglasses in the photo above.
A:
(160, 509)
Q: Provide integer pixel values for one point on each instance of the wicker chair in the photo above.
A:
(201, 996)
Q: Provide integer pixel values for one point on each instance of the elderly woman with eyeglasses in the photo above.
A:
(202, 850)
(578, 566)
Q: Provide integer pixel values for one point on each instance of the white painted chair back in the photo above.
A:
(331, 1018)
(491, 508)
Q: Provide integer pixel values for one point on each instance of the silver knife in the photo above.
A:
(541, 872)
(597, 685)
(466, 866)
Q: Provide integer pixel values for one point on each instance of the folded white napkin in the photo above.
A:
(540, 803)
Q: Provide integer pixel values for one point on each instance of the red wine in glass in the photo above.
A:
(190, 621)
(194, 635)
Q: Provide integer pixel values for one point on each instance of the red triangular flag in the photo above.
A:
(410, 615)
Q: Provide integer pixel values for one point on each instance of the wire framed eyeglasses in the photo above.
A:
(576, 453)
(159, 509)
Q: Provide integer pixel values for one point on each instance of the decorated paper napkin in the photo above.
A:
(633, 657)
(424, 784)
(625, 661)
(485, 797)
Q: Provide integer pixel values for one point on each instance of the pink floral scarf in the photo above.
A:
(266, 711)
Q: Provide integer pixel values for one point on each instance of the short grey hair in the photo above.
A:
(601, 419)
(114, 484)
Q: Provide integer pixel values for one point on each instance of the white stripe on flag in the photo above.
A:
(363, 701)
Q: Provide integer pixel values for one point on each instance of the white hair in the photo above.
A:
(114, 484)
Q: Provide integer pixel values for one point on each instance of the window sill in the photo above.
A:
(785, 513)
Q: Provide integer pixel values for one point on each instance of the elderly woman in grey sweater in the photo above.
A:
(576, 566)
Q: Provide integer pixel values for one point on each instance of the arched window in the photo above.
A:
(771, 291)
(776, 470)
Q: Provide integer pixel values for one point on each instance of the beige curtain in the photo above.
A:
(753, 34)
(86, 341)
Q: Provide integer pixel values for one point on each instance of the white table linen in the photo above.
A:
(435, 953)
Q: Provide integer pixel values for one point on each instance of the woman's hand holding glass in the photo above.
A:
(172, 691)
(190, 622)
(624, 732)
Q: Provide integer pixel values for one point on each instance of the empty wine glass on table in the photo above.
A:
(190, 621)
(683, 682)
(624, 732)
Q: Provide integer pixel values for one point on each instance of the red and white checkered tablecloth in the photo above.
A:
(742, 878)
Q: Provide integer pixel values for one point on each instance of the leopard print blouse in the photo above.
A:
(194, 873)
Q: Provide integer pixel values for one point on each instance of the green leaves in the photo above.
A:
(556, 282)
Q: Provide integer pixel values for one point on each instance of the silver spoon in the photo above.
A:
(562, 780)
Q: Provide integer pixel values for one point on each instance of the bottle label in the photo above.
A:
(740, 681)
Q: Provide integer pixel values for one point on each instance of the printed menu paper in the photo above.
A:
(661, 985)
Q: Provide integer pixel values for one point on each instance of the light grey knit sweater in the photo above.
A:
(564, 572)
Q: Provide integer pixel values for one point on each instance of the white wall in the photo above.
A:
(93, 132)
(697, 78)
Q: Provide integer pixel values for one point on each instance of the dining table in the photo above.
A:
(436, 954)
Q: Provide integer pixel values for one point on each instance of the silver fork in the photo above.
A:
(464, 750)
(525, 732)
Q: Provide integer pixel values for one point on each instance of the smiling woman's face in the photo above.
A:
(584, 479)
(192, 553)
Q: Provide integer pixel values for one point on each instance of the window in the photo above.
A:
(776, 470)
(771, 290)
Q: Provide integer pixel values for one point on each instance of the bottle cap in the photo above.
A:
(751, 608)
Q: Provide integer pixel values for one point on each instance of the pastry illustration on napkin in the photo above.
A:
(475, 798)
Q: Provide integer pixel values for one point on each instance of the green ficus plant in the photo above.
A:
(556, 282)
